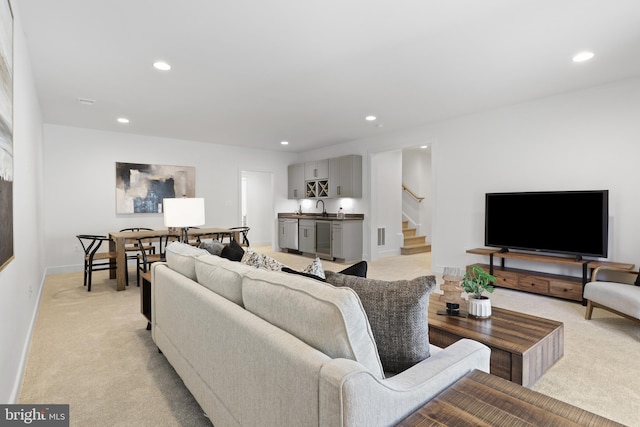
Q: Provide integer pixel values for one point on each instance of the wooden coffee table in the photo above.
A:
(523, 347)
(480, 399)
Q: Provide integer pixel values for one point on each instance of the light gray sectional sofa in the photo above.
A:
(265, 348)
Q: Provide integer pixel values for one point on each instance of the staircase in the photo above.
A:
(413, 244)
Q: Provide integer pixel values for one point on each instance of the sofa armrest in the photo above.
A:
(350, 395)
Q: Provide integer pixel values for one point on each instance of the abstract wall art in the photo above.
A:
(140, 188)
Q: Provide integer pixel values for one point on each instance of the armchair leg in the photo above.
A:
(589, 312)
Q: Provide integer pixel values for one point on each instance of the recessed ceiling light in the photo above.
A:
(370, 118)
(424, 146)
(162, 66)
(583, 56)
(123, 120)
(284, 142)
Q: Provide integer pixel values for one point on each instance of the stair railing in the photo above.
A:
(412, 194)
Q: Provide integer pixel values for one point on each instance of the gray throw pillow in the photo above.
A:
(214, 247)
(398, 315)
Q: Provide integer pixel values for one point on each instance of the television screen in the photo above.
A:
(567, 222)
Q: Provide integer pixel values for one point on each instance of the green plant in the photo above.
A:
(476, 281)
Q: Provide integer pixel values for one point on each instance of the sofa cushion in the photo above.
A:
(397, 312)
(233, 251)
(327, 318)
(222, 276)
(181, 258)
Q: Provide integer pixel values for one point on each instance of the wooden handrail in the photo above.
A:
(408, 190)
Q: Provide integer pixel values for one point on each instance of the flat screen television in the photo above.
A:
(563, 222)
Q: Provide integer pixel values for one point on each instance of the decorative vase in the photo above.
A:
(479, 308)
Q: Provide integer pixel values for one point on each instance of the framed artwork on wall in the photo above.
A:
(140, 188)
(6, 133)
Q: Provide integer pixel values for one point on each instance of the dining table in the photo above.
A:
(118, 240)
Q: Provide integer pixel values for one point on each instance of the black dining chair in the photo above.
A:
(93, 259)
(243, 233)
(145, 259)
(132, 250)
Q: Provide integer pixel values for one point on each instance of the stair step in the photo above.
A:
(415, 249)
(414, 240)
(409, 232)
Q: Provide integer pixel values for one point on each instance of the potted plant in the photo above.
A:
(475, 282)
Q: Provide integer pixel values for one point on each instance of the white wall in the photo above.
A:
(80, 183)
(580, 140)
(576, 141)
(21, 281)
(386, 202)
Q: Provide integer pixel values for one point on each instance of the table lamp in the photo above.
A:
(183, 213)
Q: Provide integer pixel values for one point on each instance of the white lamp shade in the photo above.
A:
(183, 212)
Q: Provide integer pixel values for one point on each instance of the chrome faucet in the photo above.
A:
(324, 211)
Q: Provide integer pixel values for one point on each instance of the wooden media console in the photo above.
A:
(566, 287)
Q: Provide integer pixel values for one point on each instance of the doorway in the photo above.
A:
(389, 170)
(256, 210)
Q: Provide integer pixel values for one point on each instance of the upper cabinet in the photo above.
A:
(329, 178)
(316, 170)
(296, 181)
(345, 176)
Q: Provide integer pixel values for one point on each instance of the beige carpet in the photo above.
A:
(92, 350)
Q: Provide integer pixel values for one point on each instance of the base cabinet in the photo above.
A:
(346, 240)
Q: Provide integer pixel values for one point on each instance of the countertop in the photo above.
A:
(315, 215)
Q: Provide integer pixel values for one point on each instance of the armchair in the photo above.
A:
(619, 294)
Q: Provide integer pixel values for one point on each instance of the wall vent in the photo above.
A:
(381, 238)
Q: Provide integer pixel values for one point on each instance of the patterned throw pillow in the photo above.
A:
(397, 313)
(315, 268)
(252, 258)
(264, 262)
(271, 264)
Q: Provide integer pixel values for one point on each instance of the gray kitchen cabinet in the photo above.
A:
(296, 181)
(345, 176)
(307, 236)
(316, 170)
(346, 239)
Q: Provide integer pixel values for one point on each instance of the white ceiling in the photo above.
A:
(255, 72)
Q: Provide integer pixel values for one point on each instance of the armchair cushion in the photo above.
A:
(621, 297)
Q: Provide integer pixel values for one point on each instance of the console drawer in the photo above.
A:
(566, 289)
(533, 284)
(506, 279)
